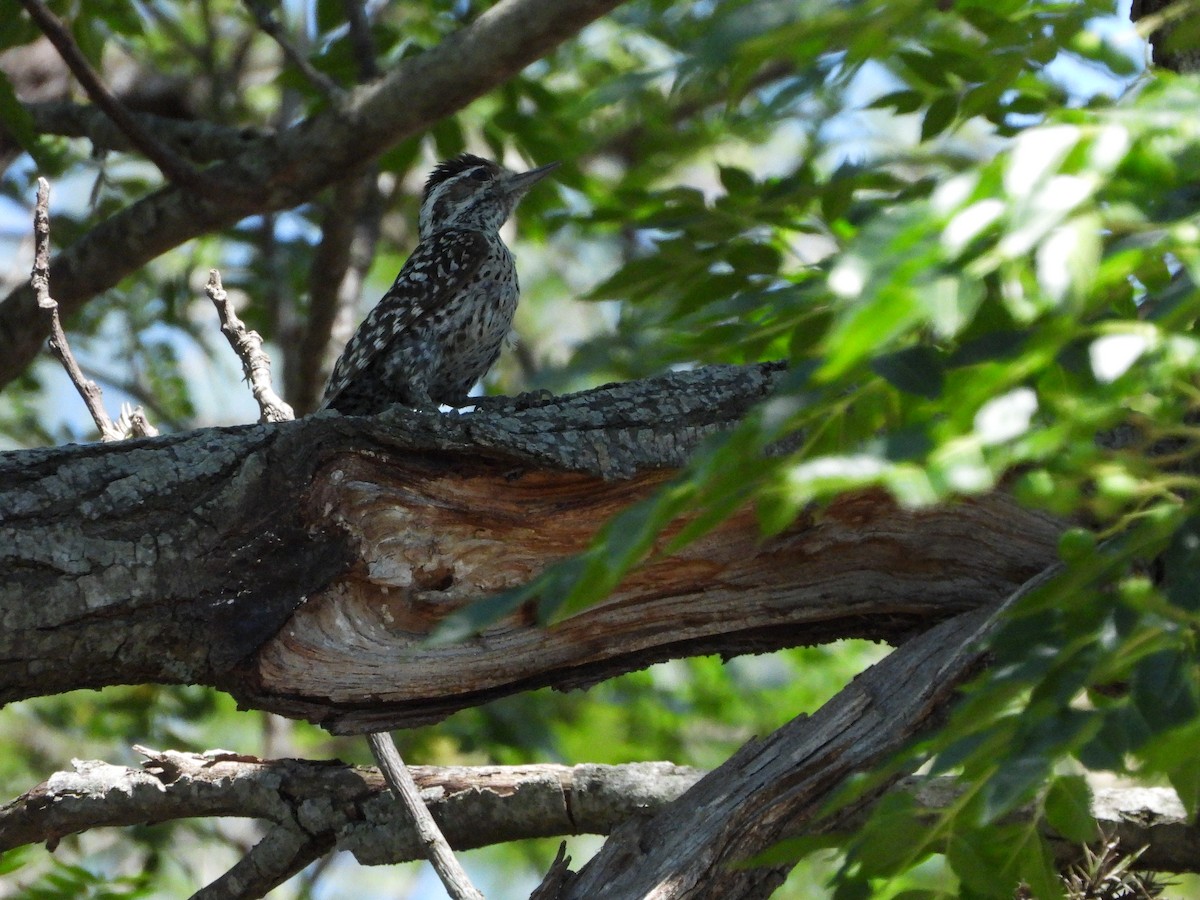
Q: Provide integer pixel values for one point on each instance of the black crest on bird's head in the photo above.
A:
(444, 171)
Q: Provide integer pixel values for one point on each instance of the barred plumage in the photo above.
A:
(440, 326)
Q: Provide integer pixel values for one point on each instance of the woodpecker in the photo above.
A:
(440, 326)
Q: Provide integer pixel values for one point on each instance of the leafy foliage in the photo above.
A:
(980, 266)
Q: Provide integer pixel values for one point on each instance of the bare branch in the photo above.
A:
(557, 877)
(133, 422)
(178, 171)
(351, 805)
(283, 851)
(780, 787)
(450, 871)
(92, 396)
(256, 365)
(266, 21)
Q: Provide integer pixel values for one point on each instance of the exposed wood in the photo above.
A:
(781, 786)
(433, 538)
(300, 565)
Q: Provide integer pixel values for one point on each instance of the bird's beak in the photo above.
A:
(520, 183)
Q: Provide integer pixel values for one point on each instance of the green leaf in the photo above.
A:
(738, 182)
(917, 370)
(905, 101)
(892, 839)
(11, 860)
(1068, 808)
(939, 116)
(16, 118)
(992, 862)
(1186, 781)
(331, 14)
(925, 66)
(476, 617)
(754, 258)
(793, 850)
(1181, 566)
(1164, 689)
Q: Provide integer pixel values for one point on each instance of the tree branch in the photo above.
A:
(436, 849)
(264, 17)
(280, 172)
(346, 805)
(200, 141)
(319, 555)
(283, 851)
(89, 391)
(349, 807)
(361, 38)
(173, 168)
(256, 365)
(349, 233)
(779, 787)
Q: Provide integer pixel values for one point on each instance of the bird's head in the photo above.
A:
(471, 192)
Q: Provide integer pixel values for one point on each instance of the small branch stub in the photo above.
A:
(248, 345)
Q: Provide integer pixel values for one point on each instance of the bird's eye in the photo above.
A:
(481, 175)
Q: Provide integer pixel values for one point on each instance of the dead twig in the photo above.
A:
(248, 345)
(556, 878)
(454, 878)
(39, 280)
(174, 168)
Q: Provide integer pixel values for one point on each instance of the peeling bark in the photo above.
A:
(300, 566)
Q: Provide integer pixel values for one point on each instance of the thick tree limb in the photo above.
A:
(300, 566)
(280, 172)
(197, 140)
(779, 787)
(347, 806)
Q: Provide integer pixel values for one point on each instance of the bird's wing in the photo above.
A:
(440, 267)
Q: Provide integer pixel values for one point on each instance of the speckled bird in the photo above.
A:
(441, 325)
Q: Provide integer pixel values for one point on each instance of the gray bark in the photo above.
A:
(313, 808)
(301, 566)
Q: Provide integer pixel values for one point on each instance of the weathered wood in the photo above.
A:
(347, 807)
(301, 565)
(781, 786)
